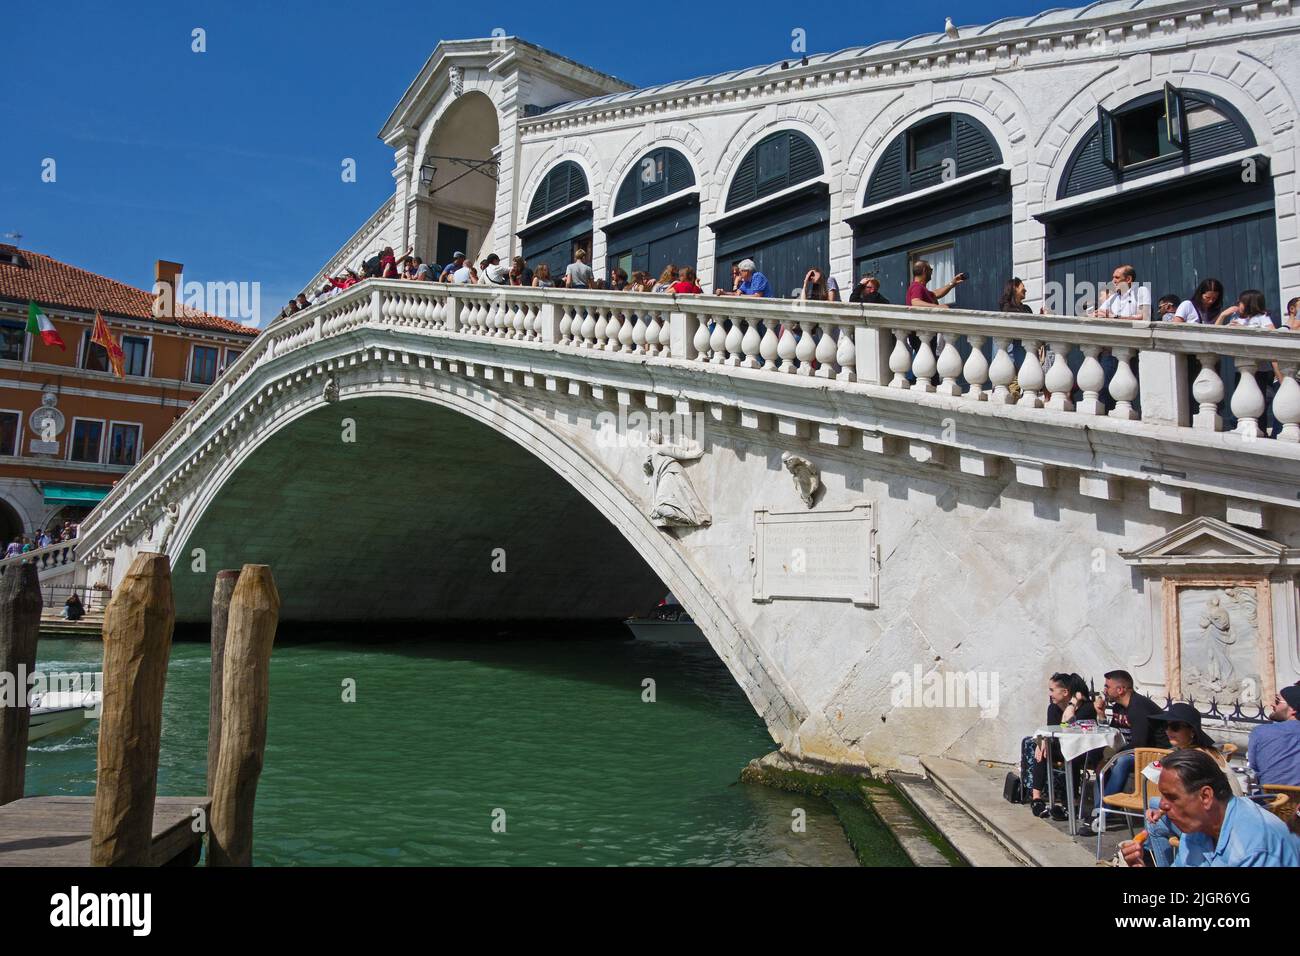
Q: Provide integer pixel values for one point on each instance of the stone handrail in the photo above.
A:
(50, 556)
(965, 355)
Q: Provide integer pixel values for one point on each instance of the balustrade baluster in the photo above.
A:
(750, 344)
(639, 330)
(1286, 404)
(1208, 391)
(718, 341)
(657, 336)
(786, 347)
(732, 343)
(1247, 400)
(566, 325)
(824, 350)
(1123, 384)
(923, 364)
(601, 327)
(949, 367)
(587, 331)
(805, 349)
(625, 332)
(976, 369)
(1059, 379)
(846, 354)
(1092, 379)
(702, 339)
(900, 360)
(768, 347)
(1030, 376)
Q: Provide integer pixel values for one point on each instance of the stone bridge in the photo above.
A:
(855, 503)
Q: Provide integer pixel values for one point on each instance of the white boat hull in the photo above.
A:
(62, 711)
(666, 632)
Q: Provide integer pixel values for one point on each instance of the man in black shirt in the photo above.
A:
(1130, 714)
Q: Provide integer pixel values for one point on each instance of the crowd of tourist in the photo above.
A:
(41, 538)
(1208, 811)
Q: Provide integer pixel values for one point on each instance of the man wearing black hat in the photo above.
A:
(1274, 748)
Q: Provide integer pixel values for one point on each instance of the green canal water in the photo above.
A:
(443, 736)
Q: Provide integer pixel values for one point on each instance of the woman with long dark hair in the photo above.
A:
(1013, 297)
(1067, 701)
(1204, 304)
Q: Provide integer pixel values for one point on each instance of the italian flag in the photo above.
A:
(39, 323)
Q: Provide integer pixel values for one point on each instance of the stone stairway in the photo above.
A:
(964, 803)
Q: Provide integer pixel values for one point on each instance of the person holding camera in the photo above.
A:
(918, 293)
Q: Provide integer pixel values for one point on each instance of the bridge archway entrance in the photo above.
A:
(456, 182)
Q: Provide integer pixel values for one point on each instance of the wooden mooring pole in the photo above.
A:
(20, 624)
(221, 594)
(137, 646)
(254, 614)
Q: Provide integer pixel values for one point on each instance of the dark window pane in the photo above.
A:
(930, 143)
(136, 352)
(85, 440)
(203, 371)
(93, 357)
(124, 444)
(11, 340)
(8, 433)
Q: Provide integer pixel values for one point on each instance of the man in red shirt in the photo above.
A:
(919, 296)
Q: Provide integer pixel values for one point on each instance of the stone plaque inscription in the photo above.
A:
(823, 556)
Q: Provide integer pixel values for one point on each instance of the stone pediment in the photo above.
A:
(1208, 543)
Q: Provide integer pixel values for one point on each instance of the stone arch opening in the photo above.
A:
(11, 523)
(548, 505)
(455, 184)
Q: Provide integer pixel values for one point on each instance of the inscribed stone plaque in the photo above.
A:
(820, 556)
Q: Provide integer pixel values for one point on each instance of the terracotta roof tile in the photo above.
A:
(50, 282)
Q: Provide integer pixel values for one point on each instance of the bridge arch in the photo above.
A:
(767, 689)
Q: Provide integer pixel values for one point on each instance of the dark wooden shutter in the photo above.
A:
(1109, 138)
(564, 184)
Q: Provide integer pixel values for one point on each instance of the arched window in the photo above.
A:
(777, 162)
(659, 173)
(1161, 130)
(929, 152)
(564, 184)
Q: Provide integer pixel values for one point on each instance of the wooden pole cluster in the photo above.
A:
(221, 594)
(20, 624)
(250, 634)
(137, 646)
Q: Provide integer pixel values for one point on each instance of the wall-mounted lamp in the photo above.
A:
(427, 173)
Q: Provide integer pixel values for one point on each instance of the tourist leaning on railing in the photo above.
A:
(1203, 304)
(819, 287)
(750, 281)
(457, 263)
(1127, 299)
(542, 277)
(919, 295)
(1166, 308)
(520, 274)
(666, 279)
(686, 284)
(868, 290)
(1219, 829)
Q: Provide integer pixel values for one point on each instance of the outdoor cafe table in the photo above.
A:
(1075, 742)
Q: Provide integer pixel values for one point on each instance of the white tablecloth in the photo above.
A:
(1075, 742)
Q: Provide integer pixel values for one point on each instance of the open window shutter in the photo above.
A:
(1174, 116)
(1109, 137)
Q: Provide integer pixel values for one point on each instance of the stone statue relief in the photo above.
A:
(1220, 644)
(675, 503)
(171, 514)
(807, 478)
(330, 392)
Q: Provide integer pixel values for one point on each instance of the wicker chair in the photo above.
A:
(1288, 799)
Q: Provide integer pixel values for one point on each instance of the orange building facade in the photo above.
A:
(69, 427)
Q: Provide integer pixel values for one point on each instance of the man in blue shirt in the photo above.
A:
(1218, 829)
(752, 282)
(1274, 748)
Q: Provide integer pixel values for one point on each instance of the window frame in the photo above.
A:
(72, 439)
(148, 354)
(20, 327)
(18, 432)
(108, 446)
(189, 367)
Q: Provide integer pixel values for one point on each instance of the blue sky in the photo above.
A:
(229, 160)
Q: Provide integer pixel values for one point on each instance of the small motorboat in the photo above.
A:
(59, 711)
(669, 623)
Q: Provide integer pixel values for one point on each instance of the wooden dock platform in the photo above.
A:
(55, 831)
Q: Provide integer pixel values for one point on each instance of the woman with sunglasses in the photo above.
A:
(1183, 722)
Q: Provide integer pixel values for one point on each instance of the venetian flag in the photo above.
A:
(39, 324)
(104, 339)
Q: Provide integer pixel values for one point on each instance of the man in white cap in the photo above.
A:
(752, 282)
(457, 263)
